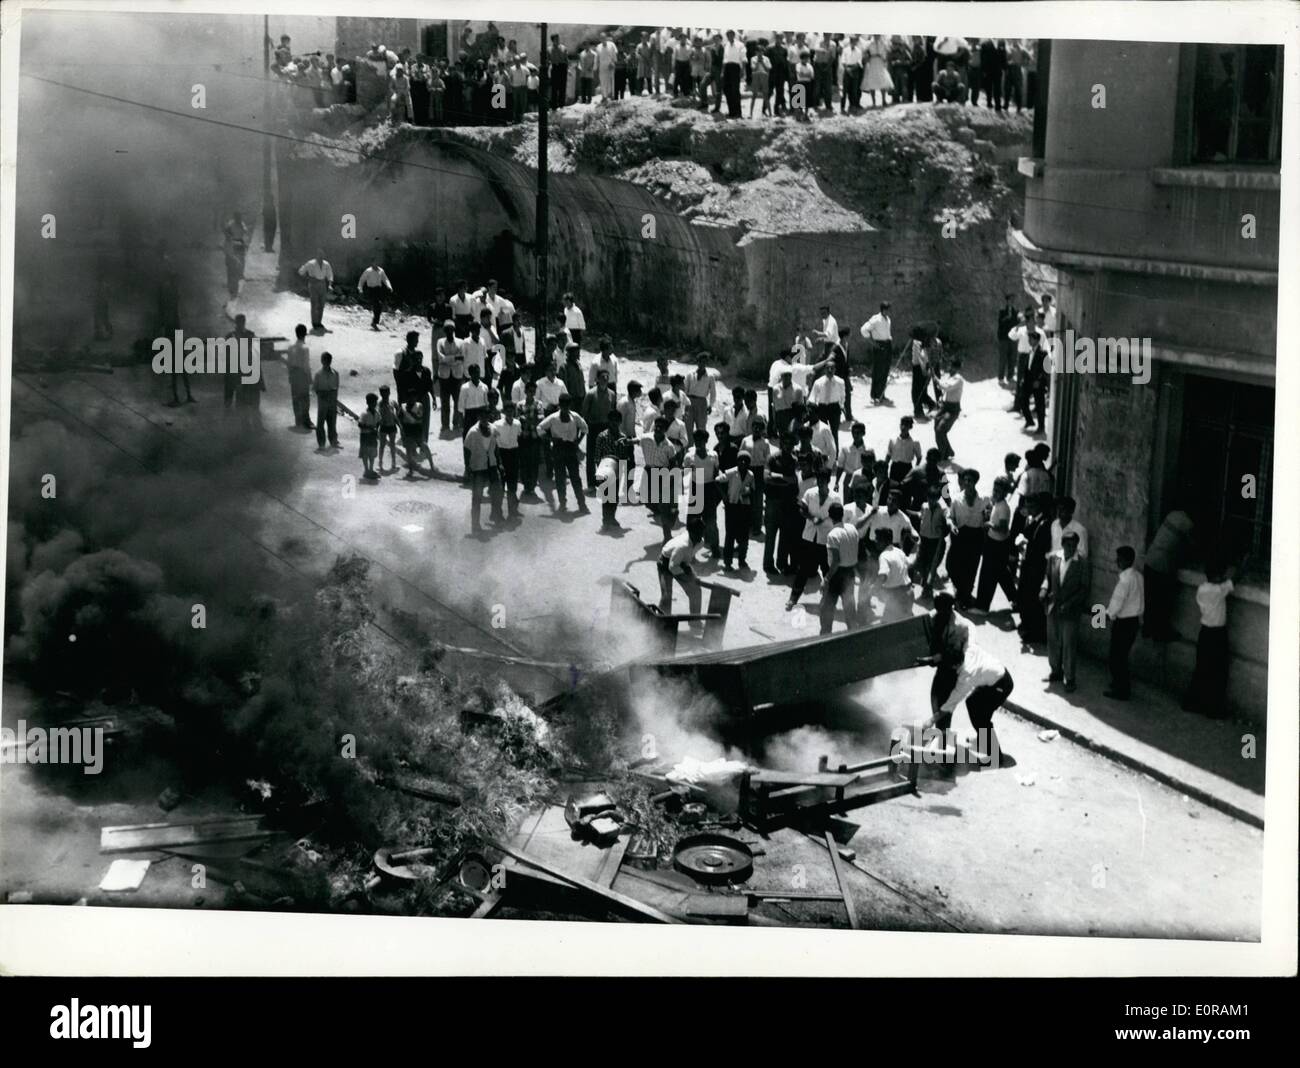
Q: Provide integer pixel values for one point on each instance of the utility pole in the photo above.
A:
(269, 220)
(542, 242)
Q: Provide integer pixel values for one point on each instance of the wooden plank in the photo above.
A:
(144, 837)
(811, 778)
(834, 850)
(612, 861)
(627, 903)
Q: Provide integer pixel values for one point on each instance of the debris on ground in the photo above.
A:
(1026, 778)
(1048, 735)
(124, 875)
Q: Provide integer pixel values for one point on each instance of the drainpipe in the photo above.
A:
(543, 200)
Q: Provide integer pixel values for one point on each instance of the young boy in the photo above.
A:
(411, 415)
(368, 425)
(387, 426)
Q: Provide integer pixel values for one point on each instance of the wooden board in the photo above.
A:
(834, 850)
(144, 837)
(811, 778)
(546, 836)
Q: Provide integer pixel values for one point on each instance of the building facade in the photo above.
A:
(1151, 215)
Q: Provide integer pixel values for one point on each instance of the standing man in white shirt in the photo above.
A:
(841, 570)
(879, 331)
(1064, 521)
(606, 54)
(701, 392)
(1125, 614)
(320, 277)
(371, 286)
(450, 355)
(565, 430)
(953, 386)
(733, 58)
(893, 577)
(574, 321)
(606, 362)
(815, 508)
(1207, 694)
(827, 401)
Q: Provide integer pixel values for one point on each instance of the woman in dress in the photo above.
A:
(876, 80)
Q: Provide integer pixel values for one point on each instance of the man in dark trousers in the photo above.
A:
(1124, 617)
(776, 52)
(1069, 581)
(993, 65)
(558, 57)
(1008, 316)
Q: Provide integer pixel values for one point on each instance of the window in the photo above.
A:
(1237, 104)
(1227, 434)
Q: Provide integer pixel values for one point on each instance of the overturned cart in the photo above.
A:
(750, 681)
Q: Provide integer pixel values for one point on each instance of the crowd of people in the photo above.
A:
(494, 80)
(875, 525)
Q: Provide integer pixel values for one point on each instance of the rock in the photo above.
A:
(169, 799)
(965, 135)
(1048, 735)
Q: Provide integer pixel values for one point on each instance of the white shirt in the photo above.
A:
(603, 363)
(903, 450)
(648, 418)
(1049, 317)
(317, 270)
(1127, 600)
(843, 538)
(702, 385)
(827, 390)
(830, 329)
(505, 311)
(1020, 335)
(678, 553)
(1212, 599)
(893, 569)
(819, 510)
(978, 668)
(559, 429)
(852, 56)
(733, 52)
(549, 391)
(952, 388)
(1075, 526)
(507, 434)
(738, 420)
(824, 439)
(878, 328)
(471, 396)
(573, 318)
(373, 277)
(895, 524)
(474, 353)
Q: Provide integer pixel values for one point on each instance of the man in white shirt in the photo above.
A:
(784, 396)
(574, 321)
(815, 508)
(823, 440)
(675, 560)
(1207, 694)
(996, 549)
(879, 331)
(1049, 316)
(1065, 521)
(462, 309)
(550, 390)
(606, 362)
(829, 332)
(371, 286)
(1124, 613)
(733, 58)
(893, 519)
(893, 578)
(953, 385)
(320, 277)
(565, 430)
(841, 568)
(701, 392)
(984, 684)
(827, 401)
